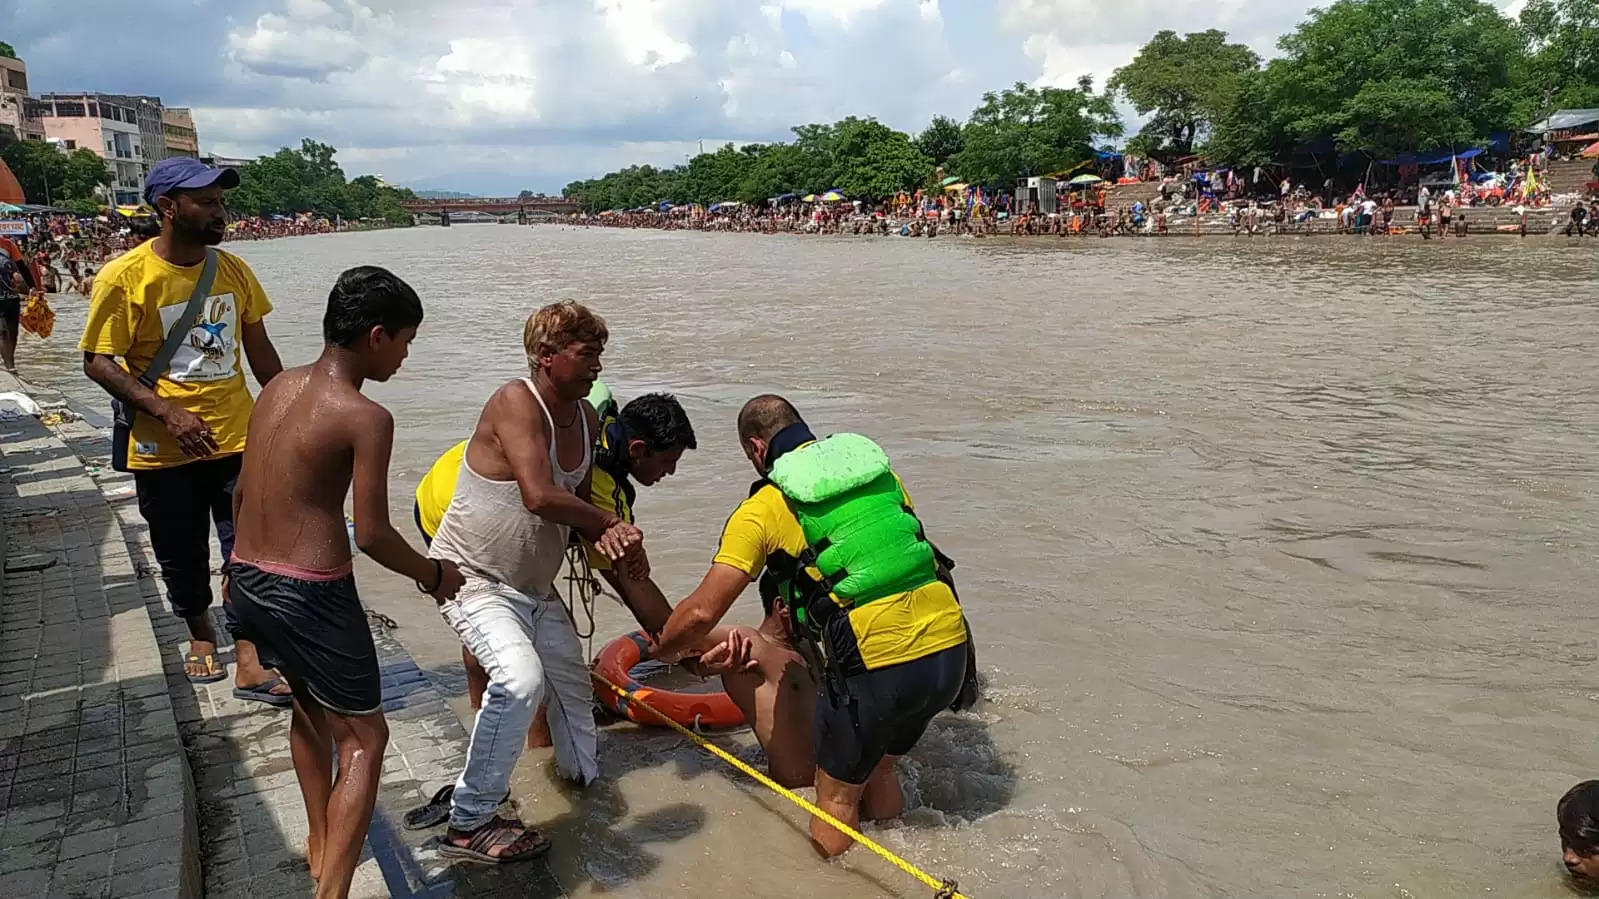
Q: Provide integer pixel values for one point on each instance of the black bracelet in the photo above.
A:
(438, 577)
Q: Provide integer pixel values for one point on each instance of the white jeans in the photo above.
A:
(531, 654)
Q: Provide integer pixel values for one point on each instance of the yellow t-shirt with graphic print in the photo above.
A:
(888, 631)
(136, 297)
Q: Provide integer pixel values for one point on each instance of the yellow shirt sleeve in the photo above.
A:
(746, 538)
(108, 330)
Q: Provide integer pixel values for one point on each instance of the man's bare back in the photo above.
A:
(293, 485)
(778, 698)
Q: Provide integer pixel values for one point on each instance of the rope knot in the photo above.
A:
(949, 890)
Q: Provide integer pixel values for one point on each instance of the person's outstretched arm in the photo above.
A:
(694, 617)
(373, 439)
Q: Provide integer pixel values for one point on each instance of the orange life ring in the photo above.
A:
(615, 662)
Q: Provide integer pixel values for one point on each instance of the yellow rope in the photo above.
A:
(944, 889)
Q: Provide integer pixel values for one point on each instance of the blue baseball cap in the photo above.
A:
(184, 173)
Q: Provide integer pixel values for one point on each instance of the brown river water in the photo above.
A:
(1279, 552)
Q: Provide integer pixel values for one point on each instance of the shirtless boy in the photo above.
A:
(290, 576)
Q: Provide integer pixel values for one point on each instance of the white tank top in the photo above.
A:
(490, 533)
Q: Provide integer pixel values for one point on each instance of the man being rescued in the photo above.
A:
(642, 441)
(506, 527)
(830, 529)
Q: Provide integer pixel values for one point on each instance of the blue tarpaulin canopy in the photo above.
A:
(1413, 159)
(1107, 154)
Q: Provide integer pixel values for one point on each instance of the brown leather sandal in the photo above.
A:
(515, 842)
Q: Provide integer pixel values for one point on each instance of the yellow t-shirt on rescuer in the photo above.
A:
(438, 485)
(888, 631)
(136, 298)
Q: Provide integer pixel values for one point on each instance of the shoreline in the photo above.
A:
(1479, 222)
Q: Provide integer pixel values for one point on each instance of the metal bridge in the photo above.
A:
(493, 205)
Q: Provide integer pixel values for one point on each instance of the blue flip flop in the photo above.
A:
(262, 693)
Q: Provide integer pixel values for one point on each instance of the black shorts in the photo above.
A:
(314, 631)
(10, 310)
(883, 712)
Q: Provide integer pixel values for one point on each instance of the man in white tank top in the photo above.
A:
(523, 484)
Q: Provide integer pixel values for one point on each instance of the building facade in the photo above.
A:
(152, 129)
(109, 128)
(177, 122)
(14, 117)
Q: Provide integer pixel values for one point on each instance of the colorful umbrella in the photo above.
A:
(808, 198)
(1591, 150)
(950, 180)
(1086, 179)
(10, 207)
(832, 196)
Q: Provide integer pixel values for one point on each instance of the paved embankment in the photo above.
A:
(95, 793)
(199, 796)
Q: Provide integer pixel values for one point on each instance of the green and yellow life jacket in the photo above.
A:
(860, 535)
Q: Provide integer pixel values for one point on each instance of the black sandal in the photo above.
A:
(500, 834)
(436, 811)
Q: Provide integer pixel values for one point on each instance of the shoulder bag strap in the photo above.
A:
(180, 328)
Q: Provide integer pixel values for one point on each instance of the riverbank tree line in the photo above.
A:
(288, 182)
(1356, 81)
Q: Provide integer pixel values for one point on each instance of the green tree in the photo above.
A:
(7, 51)
(1562, 40)
(309, 179)
(874, 161)
(1380, 77)
(778, 169)
(1186, 82)
(629, 188)
(940, 140)
(713, 177)
(40, 169)
(84, 175)
(1032, 131)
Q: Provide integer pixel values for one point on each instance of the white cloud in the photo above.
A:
(639, 32)
(842, 13)
(309, 39)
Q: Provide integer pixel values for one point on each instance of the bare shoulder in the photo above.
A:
(513, 402)
(366, 414)
(289, 382)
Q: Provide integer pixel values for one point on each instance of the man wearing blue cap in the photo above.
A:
(189, 418)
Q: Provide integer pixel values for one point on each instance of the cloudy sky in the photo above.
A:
(494, 96)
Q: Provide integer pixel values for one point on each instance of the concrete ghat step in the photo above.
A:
(95, 793)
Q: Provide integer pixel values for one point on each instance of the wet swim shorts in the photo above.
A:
(883, 712)
(311, 627)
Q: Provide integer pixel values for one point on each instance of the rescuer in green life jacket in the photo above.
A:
(831, 529)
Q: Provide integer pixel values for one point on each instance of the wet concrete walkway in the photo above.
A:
(95, 795)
